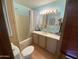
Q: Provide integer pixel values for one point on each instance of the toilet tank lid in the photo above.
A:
(28, 50)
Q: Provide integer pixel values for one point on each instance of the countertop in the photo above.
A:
(50, 35)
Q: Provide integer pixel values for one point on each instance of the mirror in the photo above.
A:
(51, 21)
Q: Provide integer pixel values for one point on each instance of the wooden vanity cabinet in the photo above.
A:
(44, 41)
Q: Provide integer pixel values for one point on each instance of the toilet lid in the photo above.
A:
(28, 50)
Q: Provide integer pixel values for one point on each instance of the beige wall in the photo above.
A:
(23, 26)
(10, 10)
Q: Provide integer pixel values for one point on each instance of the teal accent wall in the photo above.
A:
(59, 4)
(20, 9)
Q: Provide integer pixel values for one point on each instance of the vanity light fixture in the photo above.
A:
(48, 11)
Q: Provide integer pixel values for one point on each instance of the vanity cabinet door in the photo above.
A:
(35, 38)
(51, 45)
(42, 41)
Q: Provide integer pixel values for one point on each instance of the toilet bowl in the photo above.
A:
(27, 52)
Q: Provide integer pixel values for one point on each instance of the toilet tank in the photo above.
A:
(16, 51)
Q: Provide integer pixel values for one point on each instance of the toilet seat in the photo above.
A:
(27, 51)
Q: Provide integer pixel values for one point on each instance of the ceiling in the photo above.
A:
(33, 3)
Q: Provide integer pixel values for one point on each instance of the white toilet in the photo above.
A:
(27, 52)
